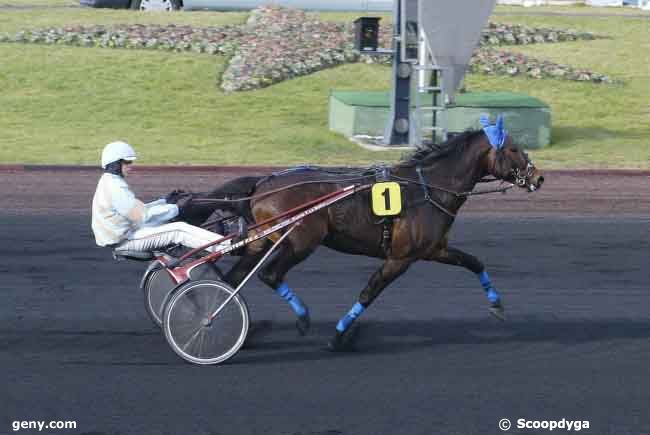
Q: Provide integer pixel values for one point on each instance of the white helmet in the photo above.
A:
(116, 151)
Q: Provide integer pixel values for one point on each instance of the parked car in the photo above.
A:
(172, 5)
(319, 5)
(144, 5)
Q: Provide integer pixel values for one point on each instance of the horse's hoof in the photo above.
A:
(303, 324)
(346, 341)
(496, 309)
(257, 330)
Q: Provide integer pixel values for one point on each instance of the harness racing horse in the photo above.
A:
(435, 183)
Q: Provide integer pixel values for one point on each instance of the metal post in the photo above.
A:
(397, 129)
(434, 135)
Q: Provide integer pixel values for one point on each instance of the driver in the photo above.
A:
(123, 222)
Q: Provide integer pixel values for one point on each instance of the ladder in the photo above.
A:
(429, 98)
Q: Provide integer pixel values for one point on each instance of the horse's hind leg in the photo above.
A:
(456, 257)
(343, 339)
(274, 273)
(252, 255)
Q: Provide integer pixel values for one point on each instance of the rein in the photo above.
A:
(280, 189)
(404, 181)
(457, 194)
(422, 182)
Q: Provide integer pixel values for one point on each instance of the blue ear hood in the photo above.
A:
(495, 133)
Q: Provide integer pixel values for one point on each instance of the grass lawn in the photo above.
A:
(62, 104)
(39, 3)
(574, 9)
(593, 125)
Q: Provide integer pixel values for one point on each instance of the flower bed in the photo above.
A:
(277, 44)
(493, 61)
(506, 34)
(284, 43)
(289, 43)
(213, 40)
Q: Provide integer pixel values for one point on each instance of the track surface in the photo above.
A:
(76, 344)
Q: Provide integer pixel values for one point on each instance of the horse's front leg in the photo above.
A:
(456, 257)
(346, 330)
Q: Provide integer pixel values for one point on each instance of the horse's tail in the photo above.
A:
(237, 188)
(232, 191)
(207, 205)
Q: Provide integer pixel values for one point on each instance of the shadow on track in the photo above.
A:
(142, 348)
(378, 338)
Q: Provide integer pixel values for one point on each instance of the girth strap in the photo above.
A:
(386, 235)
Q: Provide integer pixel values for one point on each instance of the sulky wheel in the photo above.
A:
(159, 286)
(156, 290)
(189, 330)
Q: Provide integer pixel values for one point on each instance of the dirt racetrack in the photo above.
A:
(34, 189)
(571, 262)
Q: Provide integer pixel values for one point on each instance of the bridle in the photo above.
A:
(523, 176)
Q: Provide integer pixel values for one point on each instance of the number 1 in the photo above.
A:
(386, 195)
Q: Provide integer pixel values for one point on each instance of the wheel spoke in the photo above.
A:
(217, 300)
(201, 341)
(192, 307)
(192, 338)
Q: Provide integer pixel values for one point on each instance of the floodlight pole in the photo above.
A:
(398, 127)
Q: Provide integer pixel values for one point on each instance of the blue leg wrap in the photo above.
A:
(492, 293)
(350, 317)
(296, 304)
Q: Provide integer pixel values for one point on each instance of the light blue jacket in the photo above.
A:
(117, 212)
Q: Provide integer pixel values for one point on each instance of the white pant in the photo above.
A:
(176, 233)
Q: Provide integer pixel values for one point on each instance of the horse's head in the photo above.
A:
(512, 164)
(507, 160)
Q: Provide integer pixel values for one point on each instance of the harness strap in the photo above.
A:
(423, 183)
(386, 235)
(427, 197)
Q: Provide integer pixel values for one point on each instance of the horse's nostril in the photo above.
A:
(540, 181)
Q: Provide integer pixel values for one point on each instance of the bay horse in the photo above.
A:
(434, 185)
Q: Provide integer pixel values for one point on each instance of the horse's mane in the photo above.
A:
(453, 147)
